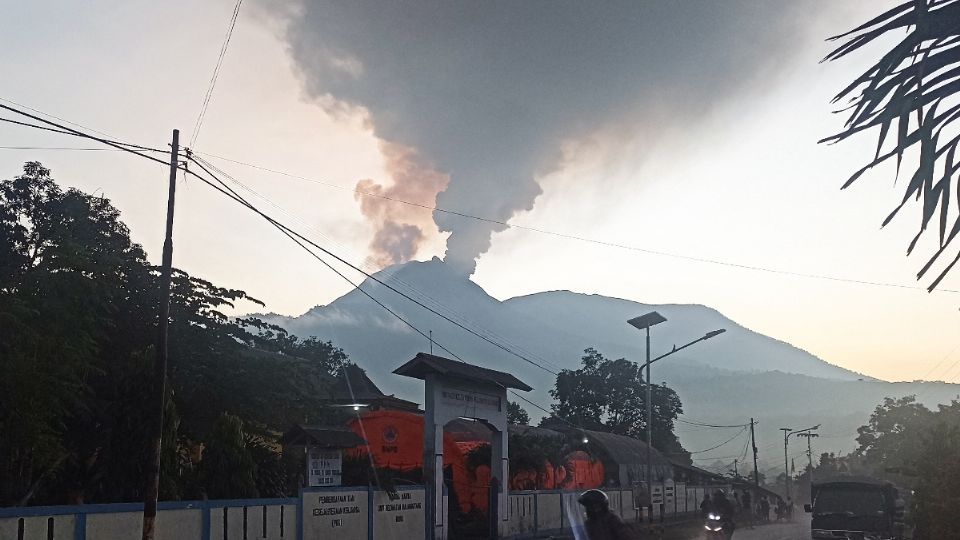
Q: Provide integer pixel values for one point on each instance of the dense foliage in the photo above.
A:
(610, 395)
(78, 319)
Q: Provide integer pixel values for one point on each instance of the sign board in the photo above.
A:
(334, 514)
(657, 494)
(324, 467)
(399, 515)
(669, 492)
(469, 400)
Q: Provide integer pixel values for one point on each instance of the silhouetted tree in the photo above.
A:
(912, 91)
(609, 395)
(516, 414)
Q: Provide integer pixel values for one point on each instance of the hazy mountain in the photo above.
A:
(725, 380)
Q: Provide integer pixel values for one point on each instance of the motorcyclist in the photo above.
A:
(602, 524)
(721, 505)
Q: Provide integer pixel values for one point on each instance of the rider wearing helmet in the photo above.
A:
(721, 505)
(602, 524)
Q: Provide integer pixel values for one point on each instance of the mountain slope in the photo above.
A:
(725, 380)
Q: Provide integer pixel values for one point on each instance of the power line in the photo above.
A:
(702, 424)
(392, 278)
(216, 73)
(581, 238)
(68, 131)
(299, 240)
(58, 148)
(741, 432)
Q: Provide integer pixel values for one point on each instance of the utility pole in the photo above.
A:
(736, 473)
(786, 463)
(753, 442)
(809, 452)
(649, 405)
(152, 480)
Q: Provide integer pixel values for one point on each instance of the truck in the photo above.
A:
(856, 508)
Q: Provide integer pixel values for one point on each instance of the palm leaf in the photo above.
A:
(915, 85)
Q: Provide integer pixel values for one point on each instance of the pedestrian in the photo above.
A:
(789, 509)
(748, 510)
(764, 509)
(602, 524)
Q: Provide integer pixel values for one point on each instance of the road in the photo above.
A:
(799, 530)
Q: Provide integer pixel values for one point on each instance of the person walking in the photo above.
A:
(748, 509)
(764, 509)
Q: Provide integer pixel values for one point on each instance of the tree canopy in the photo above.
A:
(79, 309)
(610, 395)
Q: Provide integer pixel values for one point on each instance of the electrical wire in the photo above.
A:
(413, 290)
(627, 247)
(741, 432)
(703, 424)
(58, 148)
(216, 73)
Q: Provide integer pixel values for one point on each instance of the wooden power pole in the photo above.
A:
(152, 480)
(753, 442)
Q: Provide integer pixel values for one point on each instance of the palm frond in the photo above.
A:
(915, 85)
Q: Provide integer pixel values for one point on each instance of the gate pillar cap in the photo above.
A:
(424, 364)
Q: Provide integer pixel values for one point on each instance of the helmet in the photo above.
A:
(594, 500)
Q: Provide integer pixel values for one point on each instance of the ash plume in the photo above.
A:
(488, 91)
(400, 228)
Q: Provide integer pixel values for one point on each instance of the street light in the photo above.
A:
(787, 433)
(644, 322)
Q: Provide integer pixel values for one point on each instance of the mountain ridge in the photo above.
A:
(726, 380)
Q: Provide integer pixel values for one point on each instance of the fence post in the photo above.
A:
(369, 512)
(80, 526)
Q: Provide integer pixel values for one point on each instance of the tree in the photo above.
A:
(915, 86)
(516, 414)
(892, 439)
(79, 309)
(609, 395)
(228, 470)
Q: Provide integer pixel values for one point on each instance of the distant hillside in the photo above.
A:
(726, 380)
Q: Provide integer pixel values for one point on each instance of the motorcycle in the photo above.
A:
(717, 528)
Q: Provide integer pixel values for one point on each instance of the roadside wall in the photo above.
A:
(346, 513)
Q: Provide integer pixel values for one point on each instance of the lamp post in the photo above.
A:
(644, 322)
(787, 432)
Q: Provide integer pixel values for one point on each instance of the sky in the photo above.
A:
(683, 128)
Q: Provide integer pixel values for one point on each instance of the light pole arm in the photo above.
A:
(678, 349)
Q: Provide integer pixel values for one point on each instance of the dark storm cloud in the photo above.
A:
(487, 91)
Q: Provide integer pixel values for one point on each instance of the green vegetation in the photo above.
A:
(78, 324)
(609, 395)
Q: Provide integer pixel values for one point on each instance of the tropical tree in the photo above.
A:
(78, 319)
(912, 91)
(610, 395)
(516, 414)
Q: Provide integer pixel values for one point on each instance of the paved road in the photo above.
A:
(799, 530)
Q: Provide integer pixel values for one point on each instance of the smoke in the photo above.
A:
(487, 92)
(400, 228)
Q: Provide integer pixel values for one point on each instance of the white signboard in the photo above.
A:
(399, 516)
(334, 514)
(324, 467)
(470, 400)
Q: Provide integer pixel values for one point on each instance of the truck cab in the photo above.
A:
(859, 508)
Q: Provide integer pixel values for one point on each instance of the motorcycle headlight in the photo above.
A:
(713, 516)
